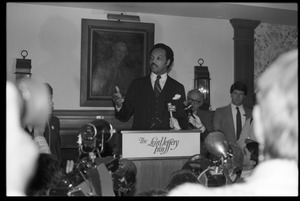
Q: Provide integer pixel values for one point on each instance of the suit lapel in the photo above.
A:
(149, 86)
(149, 93)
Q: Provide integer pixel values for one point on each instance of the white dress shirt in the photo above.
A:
(243, 115)
(162, 80)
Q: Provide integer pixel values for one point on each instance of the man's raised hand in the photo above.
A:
(117, 98)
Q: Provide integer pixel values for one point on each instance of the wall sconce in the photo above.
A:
(23, 67)
(202, 83)
(123, 17)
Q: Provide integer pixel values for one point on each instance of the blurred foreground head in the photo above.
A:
(36, 105)
(47, 176)
(276, 114)
(21, 151)
(181, 176)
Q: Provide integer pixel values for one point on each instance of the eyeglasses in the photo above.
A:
(193, 100)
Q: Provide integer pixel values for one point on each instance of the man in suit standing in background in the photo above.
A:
(231, 118)
(147, 98)
(52, 130)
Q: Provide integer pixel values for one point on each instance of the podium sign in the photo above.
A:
(159, 144)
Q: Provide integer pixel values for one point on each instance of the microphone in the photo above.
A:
(188, 107)
(171, 109)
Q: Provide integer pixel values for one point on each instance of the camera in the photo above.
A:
(95, 175)
(213, 171)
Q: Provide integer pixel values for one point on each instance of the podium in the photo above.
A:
(157, 154)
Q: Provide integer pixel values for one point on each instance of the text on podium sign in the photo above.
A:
(152, 144)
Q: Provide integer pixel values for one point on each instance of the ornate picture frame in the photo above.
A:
(113, 53)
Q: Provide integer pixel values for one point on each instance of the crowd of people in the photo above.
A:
(268, 138)
(33, 131)
(263, 141)
(275, 124)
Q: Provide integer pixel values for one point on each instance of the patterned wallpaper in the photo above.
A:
(270, 41)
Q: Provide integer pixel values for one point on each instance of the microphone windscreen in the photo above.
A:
(171, 108)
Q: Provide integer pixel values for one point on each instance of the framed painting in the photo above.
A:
(113, 53)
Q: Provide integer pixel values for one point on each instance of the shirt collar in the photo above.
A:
(233, 107)
(163, 77)
(241, 108)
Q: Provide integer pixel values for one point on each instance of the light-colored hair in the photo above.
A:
(277, 99)
(195, 91)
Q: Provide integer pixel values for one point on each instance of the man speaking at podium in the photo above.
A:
(148, 97)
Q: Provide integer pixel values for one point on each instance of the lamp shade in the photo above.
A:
(202, 83)
(23, 67)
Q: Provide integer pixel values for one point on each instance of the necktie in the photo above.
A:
(157, 87)
(238, 123)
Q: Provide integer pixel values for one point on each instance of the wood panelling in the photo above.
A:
(72, 120)
(154, 174)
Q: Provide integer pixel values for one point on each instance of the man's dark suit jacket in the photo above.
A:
(54, 142)
(140, 101)
(223, 121)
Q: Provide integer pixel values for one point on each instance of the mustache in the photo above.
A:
(153, 64)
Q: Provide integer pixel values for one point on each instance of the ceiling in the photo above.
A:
(273, 13)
